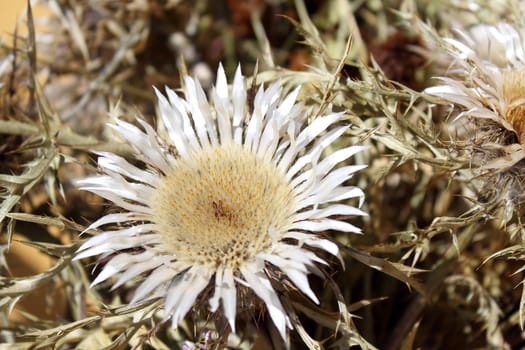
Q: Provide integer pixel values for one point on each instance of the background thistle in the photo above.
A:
(436, 265)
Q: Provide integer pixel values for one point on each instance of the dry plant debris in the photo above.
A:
(431, 90)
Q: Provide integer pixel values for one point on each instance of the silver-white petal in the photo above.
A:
(184, 291)
(264, 290)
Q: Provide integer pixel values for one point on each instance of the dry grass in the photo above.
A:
(435, 268)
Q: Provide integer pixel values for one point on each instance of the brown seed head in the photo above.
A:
(514, 95)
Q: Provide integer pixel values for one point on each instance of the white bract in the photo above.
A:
(228, 196)
(487, 82)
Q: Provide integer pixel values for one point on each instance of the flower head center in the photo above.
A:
(514, 95)
(222, 206)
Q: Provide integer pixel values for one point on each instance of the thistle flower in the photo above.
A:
(227, 199)
(487, 82)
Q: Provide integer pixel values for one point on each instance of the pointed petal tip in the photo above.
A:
(220, 69)
(84, 253)
(238, 73)
(76, 258)
(231, 321)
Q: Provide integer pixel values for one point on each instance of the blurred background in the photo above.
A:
(8, 16)
(11, 11)
(420, 191)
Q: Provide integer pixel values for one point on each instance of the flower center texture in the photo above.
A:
(222, 206)
(514, 94)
